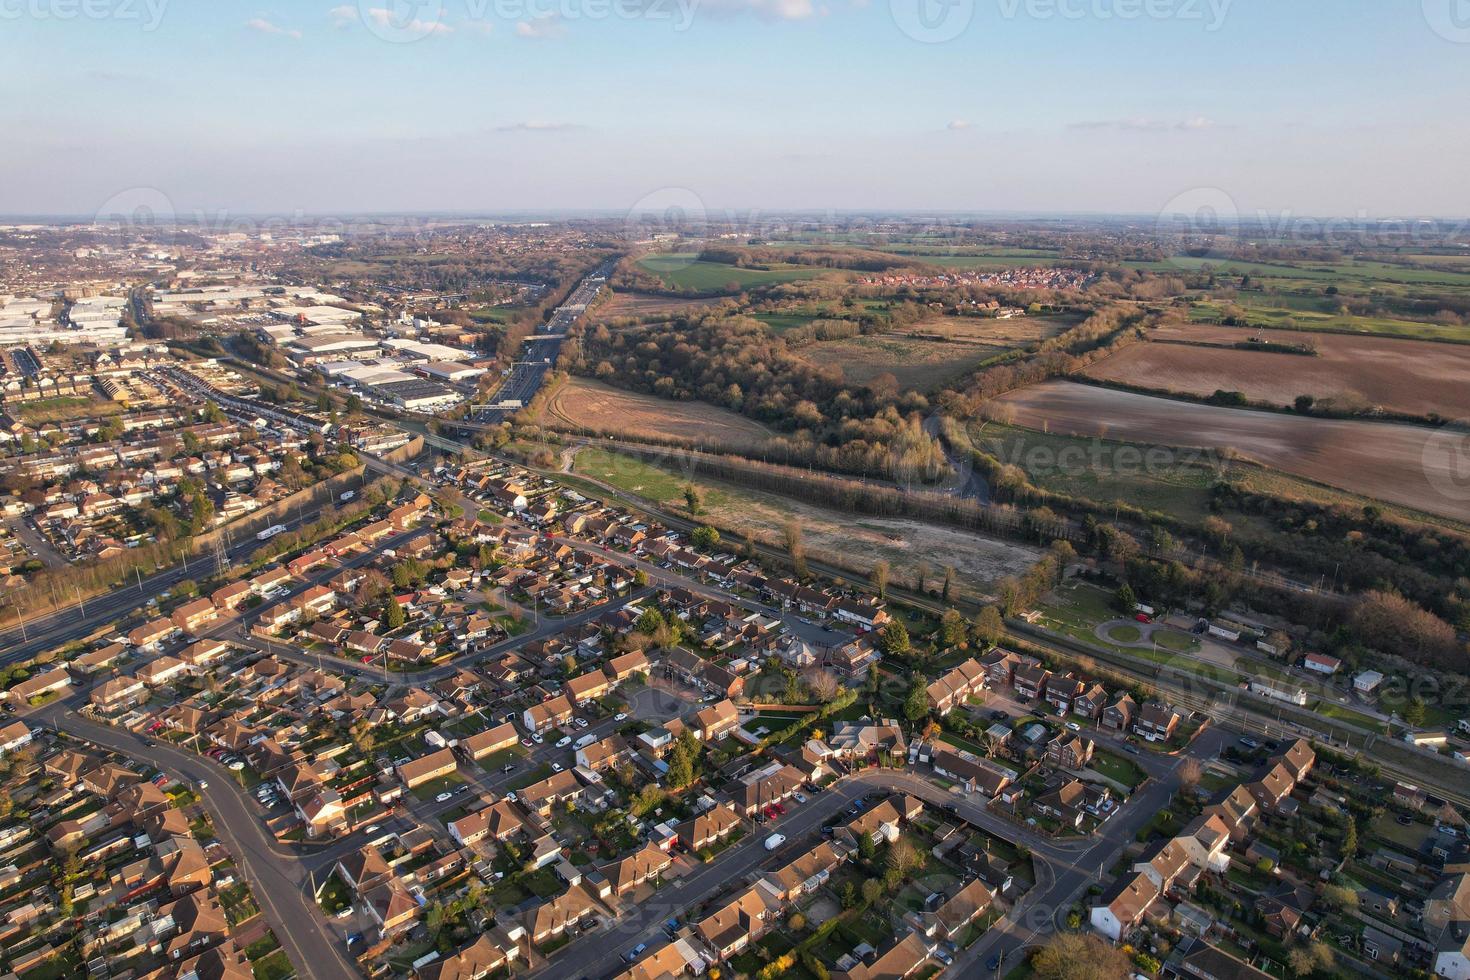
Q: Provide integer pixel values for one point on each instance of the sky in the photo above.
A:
(1291, 107)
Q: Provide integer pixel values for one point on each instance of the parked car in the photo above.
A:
(443, 797)
(774, 841)
(564, 741)
(635, 952)
(620, 716)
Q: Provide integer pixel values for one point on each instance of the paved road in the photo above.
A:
(277, 879)
(78, 621)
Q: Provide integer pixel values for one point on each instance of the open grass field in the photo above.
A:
(1412, 376)
(649, 305)
(588, 404)
(1347, 270)
(923, 365)
(850, 540)
(1404, 464)
(1101, 470)
(1301, 315)
(1004, 334)
(682, 270)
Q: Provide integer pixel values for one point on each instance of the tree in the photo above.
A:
(893, 638)
(693, 499)
(1074, 956)
(822, 683)
(393, 617)
(879, 578)
(1414, 711)
(705, 537)
(916, 704)
(904, 856)
(1190, 773)
(1308, 959)
(951, 628)
(640, 578)
(989, 628)
(1125, 600)
(1339, 897)
(796, 548)
(872, 890)
(948, 591)
(1350, 837)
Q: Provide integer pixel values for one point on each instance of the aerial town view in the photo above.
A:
(498, 491)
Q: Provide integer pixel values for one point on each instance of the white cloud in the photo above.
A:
(343, 15)
(541, 28)
(417, 27)
(959, 124)
(1145, 125)
(266, 27)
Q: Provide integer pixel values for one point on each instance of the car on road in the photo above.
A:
(1249, 742)
(581, 722)
(443, 797)
(1074, 726)
(774, 841)
(993, 963)
(204, 784)
(508, 767)
(620, 716)
(1132, 750)
(564, 741)
(372, 828)
(634, 953)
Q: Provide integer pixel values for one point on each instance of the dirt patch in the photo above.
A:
(1005, 334)
(1411, 376)
(650, 305)
(906, 545)
(586, 404)
(1404, 464)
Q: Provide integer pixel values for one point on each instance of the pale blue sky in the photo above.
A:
(1312, 106)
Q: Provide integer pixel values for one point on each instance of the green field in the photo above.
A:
(782, 322)
(682, 270)
(1065, 465)
(1284, 318)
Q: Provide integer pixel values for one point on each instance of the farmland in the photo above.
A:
(1301, 313)
(585, 404)
(852, 541)
(683, 270)
(1004, 334)
(1407, 376)
(649, 305)
(1397, 463)
(924, 365)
